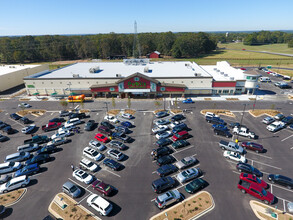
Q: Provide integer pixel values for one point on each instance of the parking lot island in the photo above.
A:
(189, 209)
(11, 198)
(64, 207)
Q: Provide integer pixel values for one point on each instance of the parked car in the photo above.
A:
(108, 125)
(112, 164)
(268, 120)
(61, 134)
(47, 149)
(187, 101)
(17, 157)
(163, 184)
(122, 129)
(24, 120)
(215, 120)
(28, 170)
(127, 116)
(179, 127)
(180, 136)
(165, 134)
(101, 138)
(288, 120)
(9, 167)
(100, 204)
(57, 120)
(28, 129)
(188, 174)
(15, 116)
(51, 126)
(234, 124)
(276, 126)
(290, 207)
(115, 154)
(64, 113)
(77, 115)
(126, 124)
(279, 116)
(281, 180)
(167, 198)
(247, 168)
(163, 142)
(162, 122)
(40, 158)
(105, 130)
(14, 183)
(161, 151)
(222, 131)
(102, 187)
(234, 156)
(167, 159)
(3, 138)
(92, 154)
(253, 179)
(166, 170)
(89, 165)
(177, 117)
(161, 114)
(71, 189)
(180, 143)
(121, 136)
(90, 125)
(97, 145)
(25, 105)
(111, 119)
(186, 162)
(8, 130)
(117, 144)
(28, 148)
(195, 185)
(258, 148)
(58, 141)
(5, 178)
(82, 176)
(159, 128)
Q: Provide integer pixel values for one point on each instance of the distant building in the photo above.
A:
(154, 55)
(12, 75)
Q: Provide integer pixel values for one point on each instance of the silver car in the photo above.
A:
(4, 178)
(186, 162)
(71, 189)
(115, 154)
(167, 198)
(187, 175)
(97, 145)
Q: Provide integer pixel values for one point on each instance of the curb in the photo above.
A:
(194, 217)
(22, 195)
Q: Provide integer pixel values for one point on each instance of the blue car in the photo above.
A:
(221, 126)
(187, 101)
(126, 124)
(291, 126)
(28, 170)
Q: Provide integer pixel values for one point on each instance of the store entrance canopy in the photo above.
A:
(137, 90)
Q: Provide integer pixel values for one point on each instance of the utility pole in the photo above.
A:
(241, 120)
(106, 108)
(70, 94)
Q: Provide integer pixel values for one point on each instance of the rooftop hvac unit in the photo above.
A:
(118, 75)
(215, 69)
(197, 74)
(218, 70)
(225, 74)
(146, 69)
(231, 78)
(75, 75)
(94, 69)
(221, 73)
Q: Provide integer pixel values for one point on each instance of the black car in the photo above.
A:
(77, 115)
(3, 138)
(24, 120)
(178, 117)
(163, 142)
(288, 120)
(122, 129)
(165, 160)
(8, 129)
(247, 168)
(196, 185)
(162, 184)
(90, 125)
(178, 128)
(112, 164)
(166, 170)
(121, 136)
(3, 125)
(64, 113)
(161, 114)
(117, 144)
(180, 143)
(281, 180)
(47, 149)
(107, 124)
(161, 151)
(284, 86)
(15, 116)
(222, 131)
(215, 120)
(40, 158)
(57, 120)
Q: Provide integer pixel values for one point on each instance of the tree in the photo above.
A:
(64, 104)
(113, 102)
(176, 103)
(129, 102)
(290, 43)
(157, 104)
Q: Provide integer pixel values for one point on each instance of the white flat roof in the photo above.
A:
(111, 69)
(6, 69)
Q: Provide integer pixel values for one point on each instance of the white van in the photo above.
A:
(28, 148)
(14, 183)
(74, 121)
(9, 167)
(264, 79)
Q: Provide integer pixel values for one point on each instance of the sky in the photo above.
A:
(41, 17)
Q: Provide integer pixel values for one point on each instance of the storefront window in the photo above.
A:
(219, 91)
(231, 91)
(225, 91)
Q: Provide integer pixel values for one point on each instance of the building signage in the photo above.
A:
(153, 87)
(30, 86)
(121, 87)
(136, 85)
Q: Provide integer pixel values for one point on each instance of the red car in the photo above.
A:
(253, 179)
(101, 138)
(51, 126)
(253, 146)
(242, 68)
(102, 187)
(180, 136)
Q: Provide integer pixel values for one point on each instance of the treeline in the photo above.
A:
(267, 37)
(56, 47)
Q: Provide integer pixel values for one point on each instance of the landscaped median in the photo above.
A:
(260, 112)
(266, 212)
(64, 207)
(189, 209)
(34, 112)
(218, 112)
(10, 198)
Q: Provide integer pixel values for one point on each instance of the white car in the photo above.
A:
(210, 114)
(24, 105)
(166, 134)
(92, 154)
(14, 183)
(111, 118)
(82, 176)
(67, 127)
(160, 128)
(127, 116)
(99, 204)
(28, 129)
(173, 124)
(89, 165)
(162, 122)
(61, 134)
(234, 156)
(97, 145)
(276, 126)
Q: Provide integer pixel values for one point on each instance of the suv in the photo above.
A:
(162, 151)
(24, 120)
(14, 183)
(17, 157)
(163, 142)
(179, 127)
(92, 154)
(105, 130)
(180, 136)
(115, 154)
(215, 120)
(167, 198)
(222, 131)
(28, 170)
(247, 168)
(117, 144)
(162, 184)
(287, 120)
(89, 165)
(121, 136)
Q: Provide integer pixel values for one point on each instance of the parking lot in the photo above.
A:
(134, 198)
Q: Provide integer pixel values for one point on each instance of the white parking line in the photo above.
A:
(284, 205)
(83, 199)
(183, 149)
(272, 189)
(260, 155)
(6, 113)
(113, 173)
(97, 113)
(80, 185)
(291, 148)
(52, 113)
(282, 187)
(287, 137)
(16, 122)
(267, 165)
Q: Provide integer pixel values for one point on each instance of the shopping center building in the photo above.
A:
(143, 78)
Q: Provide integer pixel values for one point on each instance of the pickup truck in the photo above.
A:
(245, 132)
(256, 191)
(37, 140)
(51, 126)
(232, 146)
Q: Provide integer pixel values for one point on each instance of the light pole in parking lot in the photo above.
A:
(244, 106)
(106, 103)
